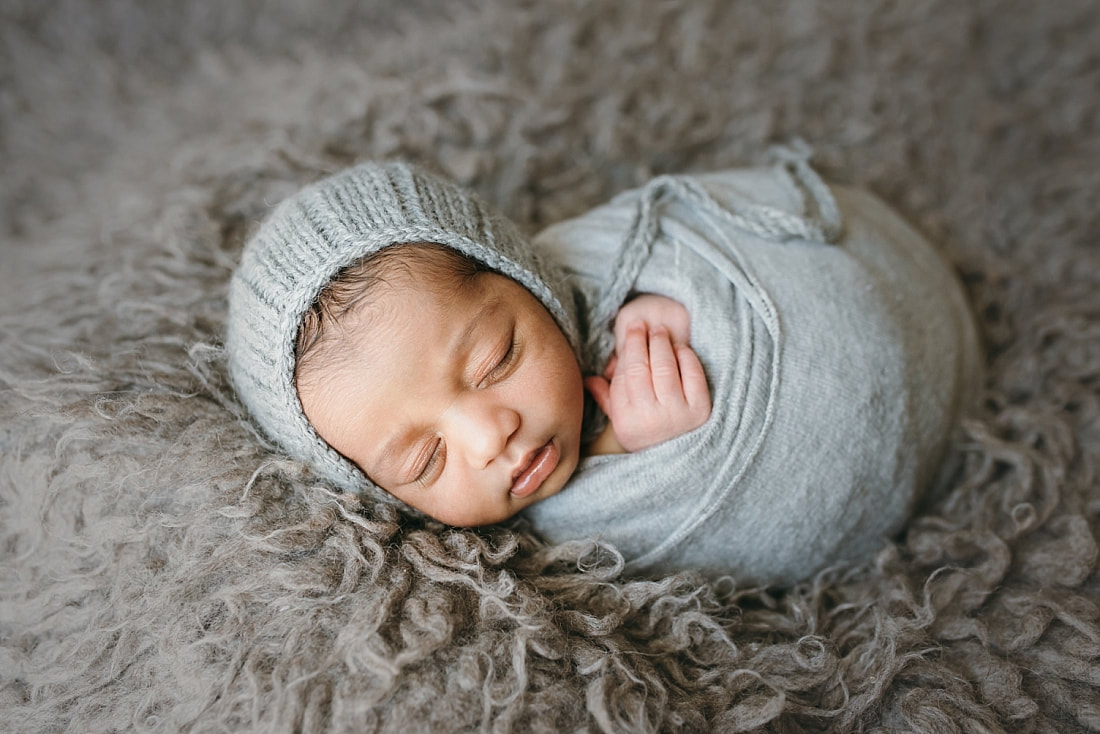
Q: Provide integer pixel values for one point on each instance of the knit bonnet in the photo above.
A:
(326, 227)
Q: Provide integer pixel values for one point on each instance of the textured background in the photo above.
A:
(163, 570)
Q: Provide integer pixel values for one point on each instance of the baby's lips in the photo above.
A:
(540, 466)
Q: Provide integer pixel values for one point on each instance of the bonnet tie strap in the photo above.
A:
(820, 222)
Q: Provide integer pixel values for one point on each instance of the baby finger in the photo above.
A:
(694, 382)
(633, 366)
(664, 368)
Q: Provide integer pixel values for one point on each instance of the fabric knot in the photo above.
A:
(794, 158)
(819, 221)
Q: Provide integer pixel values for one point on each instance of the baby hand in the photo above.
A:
(653, 389)
(654, 311)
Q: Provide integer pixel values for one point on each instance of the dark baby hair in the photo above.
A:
(443, 268)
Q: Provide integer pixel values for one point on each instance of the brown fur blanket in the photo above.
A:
(163, 569)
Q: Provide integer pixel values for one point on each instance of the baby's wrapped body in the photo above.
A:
(838, 371)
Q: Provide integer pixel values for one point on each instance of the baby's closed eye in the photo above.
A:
(504, 363)
(432, 465)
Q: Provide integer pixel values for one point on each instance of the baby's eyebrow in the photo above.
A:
(463, 337)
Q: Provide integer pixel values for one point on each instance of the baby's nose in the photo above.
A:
(483, 428)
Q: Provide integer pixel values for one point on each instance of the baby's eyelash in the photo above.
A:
(505, 362)
(437, 457)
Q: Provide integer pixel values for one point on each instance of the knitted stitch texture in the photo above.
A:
(326, 227)
(840, 356)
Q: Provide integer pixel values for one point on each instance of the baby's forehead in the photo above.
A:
(374, 310)
(417, 297)
(403, 273)
(406, 341)
(413, 312)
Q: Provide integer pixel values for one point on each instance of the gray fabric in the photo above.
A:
(164, 570)
(838, 372)
(327, 226)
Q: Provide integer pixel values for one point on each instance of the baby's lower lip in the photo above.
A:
(541, 466)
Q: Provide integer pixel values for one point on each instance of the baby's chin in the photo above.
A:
(513, 508)
(476, 521)
(466, 519)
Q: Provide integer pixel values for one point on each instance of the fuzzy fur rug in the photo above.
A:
(162, 569)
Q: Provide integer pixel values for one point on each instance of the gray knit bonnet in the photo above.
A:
(319, 231)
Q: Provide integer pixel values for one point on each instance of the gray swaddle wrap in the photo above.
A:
(839, 361)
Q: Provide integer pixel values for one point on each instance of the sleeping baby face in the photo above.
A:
(460, 396)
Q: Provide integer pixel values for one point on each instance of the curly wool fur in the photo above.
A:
(164, 570)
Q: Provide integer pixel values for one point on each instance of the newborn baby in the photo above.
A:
(778, 395)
